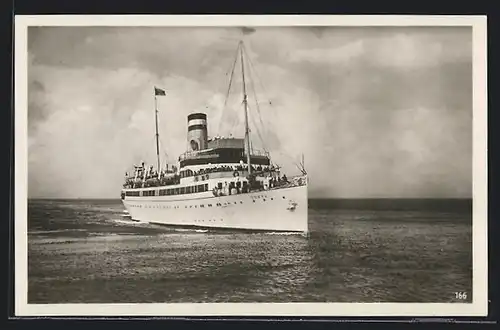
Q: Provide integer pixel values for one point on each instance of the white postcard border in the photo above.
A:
(478, 307)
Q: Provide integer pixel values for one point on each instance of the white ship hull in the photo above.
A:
(283, 209)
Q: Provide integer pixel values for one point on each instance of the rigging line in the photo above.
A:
(164, 151)
(232, 73)
(290, 157)
(160, 141)
(148, 152)
(258, 108)
(257, 74)
(252, 86)
(229, 87)
(162, 145)
(254, 90)
(255, 94)
(234, 122)
(258, 133)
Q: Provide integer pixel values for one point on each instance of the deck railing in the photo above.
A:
(201, 155)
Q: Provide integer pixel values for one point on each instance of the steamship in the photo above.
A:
(218, 182)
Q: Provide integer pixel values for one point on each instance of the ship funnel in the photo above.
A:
(197, 131)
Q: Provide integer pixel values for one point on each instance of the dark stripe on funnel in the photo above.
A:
(197, 116)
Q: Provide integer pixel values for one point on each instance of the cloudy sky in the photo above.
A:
(377, 112)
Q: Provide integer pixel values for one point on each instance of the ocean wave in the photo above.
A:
(96, 237)
(37, 232)
(133, 223)
(129, 222)
(285, 233)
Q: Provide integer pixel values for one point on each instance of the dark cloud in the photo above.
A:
(378, 112)
(318, 30)
(247, 30)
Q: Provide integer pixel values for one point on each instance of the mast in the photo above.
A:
(157, 135)
(245, 104)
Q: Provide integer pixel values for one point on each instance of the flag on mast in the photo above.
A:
(159, 92)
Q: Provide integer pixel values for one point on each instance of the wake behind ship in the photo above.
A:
(218, 183)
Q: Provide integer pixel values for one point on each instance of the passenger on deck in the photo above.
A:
(234, 191)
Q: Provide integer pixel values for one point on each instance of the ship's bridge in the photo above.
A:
(223, 151)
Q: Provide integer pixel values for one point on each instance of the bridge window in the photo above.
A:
(176, 191)
(182, 190)
(206, 186)
(132, 193)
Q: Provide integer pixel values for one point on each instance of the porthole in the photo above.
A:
(272, 198)
(283, 197)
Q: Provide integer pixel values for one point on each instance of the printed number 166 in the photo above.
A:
(461, 295)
